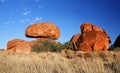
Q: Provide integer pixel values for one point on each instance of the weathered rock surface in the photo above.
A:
(40, 31)
(86, 27)
(117, 42)
(43, 30)
(73, 40)
(92, 38)
(21, 46)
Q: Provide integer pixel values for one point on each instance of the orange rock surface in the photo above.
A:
(40, 31)
(74, 39)
(92, 38)
(18, 45)
(43, 30)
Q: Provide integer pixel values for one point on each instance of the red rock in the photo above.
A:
(92, 38)
(13, 43)
(74, 40)
(85, 27)
(93, 41)
(43, 30)
(18, 45)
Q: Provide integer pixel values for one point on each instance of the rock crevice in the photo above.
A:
(92, 38)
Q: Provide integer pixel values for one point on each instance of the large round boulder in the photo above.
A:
(43, 30)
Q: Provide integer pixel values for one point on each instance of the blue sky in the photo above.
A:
(68, 15)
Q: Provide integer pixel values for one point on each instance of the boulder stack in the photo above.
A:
(40, 31)
(92, 38)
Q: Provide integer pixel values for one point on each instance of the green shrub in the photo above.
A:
(47, 46)
(68, 45)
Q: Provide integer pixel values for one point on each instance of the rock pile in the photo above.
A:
(41, 31)
(92, 38)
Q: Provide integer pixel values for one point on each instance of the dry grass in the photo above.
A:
(57, 63)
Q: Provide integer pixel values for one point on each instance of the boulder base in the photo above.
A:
(18, 45)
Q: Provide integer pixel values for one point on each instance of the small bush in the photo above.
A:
(47, 46)
(68, 45)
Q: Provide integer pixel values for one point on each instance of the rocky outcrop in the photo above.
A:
(92, 38)
(40, 31)
(43, 30)
(117, 42)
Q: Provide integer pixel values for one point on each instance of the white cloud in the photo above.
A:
(37, 19)
(25, 21)
(26, 12)
(31, 21)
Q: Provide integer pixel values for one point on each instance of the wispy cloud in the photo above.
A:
(26, 12)
(25, 21)
(36, 19)
(31, 21)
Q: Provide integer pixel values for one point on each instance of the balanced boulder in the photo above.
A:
(40, 31)
(43, 30)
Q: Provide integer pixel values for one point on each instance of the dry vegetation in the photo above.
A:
(47, 62)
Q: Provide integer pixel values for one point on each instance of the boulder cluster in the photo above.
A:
(40, 31)
(92, 38)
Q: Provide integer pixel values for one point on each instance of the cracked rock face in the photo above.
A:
(43, 30)
(18, 45)
(92, 38)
